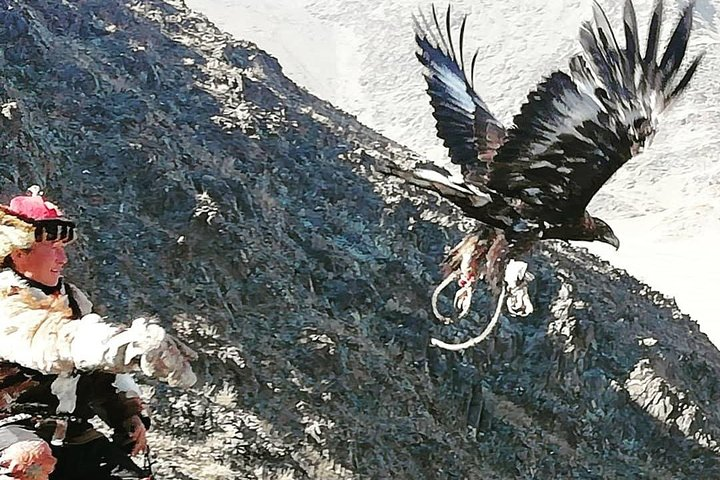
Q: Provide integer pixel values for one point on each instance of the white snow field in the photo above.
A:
(664, 205)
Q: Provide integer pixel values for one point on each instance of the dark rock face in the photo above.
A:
(242, 211)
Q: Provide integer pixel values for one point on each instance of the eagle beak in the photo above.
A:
(611, 239)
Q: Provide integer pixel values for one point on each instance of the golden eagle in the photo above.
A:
(534, 180)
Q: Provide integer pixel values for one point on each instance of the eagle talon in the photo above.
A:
(463, 297)
(463, 300)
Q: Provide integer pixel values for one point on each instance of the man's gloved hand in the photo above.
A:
(99, 345)
(164, 356)
(28, 460)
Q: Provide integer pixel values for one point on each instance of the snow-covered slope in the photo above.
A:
(664, 205)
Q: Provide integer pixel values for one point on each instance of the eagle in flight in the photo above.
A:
(534, 180)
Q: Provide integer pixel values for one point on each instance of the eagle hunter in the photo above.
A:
(534, 180)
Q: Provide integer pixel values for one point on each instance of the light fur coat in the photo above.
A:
(38, 331)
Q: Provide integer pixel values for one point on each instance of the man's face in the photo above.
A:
(43, 263)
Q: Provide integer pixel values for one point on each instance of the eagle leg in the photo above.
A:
(463, 264)
(466, 261)
(467, 278)
(468, 274)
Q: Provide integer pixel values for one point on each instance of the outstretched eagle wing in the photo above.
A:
(464, 122)
(575, 131)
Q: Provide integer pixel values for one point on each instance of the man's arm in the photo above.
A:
(40, 333)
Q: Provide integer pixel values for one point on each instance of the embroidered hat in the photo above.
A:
(30, 218)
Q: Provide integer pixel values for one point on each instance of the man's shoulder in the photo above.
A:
(10, 280)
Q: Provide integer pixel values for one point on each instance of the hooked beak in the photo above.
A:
(610, 239)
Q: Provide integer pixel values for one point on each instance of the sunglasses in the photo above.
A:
(54, 230)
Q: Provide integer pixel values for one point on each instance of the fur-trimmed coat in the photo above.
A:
(41, 332)
(27, 317)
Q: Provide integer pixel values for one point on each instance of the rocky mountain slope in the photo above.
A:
(244, 213)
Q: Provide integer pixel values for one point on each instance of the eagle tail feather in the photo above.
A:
(431, 177)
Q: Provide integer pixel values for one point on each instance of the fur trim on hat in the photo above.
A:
(15, 233)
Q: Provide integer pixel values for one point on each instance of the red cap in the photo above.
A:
(33, 206)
